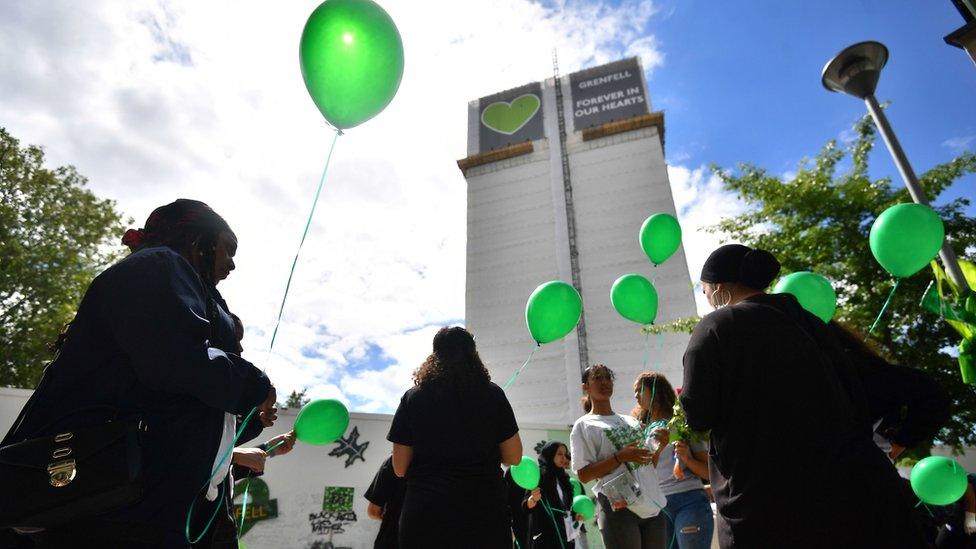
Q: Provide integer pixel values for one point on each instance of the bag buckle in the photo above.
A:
(62, 472)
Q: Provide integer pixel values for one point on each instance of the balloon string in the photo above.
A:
(674, 530)
(308, 223)
(220, 492)
(247, 486)
(885, 306)
(660, 349)
(522, 367)
(925, 506)
(273, 448)
(552, 517)
(647, 336)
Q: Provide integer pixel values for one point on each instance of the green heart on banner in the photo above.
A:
(508, 118)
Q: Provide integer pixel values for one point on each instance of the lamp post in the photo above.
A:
(855, 71)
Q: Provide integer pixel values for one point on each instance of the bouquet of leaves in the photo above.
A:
(958, 307)
(680, 432)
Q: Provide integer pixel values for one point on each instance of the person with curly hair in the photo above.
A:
(450, 435)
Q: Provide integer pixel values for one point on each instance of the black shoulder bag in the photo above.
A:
(58, 479)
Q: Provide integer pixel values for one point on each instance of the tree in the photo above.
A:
(55, 236)
(296, 399)
(819, 220)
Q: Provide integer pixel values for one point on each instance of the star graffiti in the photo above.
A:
(348, 447)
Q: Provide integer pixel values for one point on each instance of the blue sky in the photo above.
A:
(158, 99)
(741, 81)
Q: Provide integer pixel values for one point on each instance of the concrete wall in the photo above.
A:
(298, 481)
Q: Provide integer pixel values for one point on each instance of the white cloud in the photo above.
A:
(959, 144)
(158, 100)
(700, 202)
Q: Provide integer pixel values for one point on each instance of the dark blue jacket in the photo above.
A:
(141, 345)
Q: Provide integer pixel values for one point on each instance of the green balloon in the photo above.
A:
(526, 473)
(321, 421)
(553, 310)
(938, 480)
(660, 236)
(635, 298)
(352, 60)
(577, 487)
(582, 505)
(906, 237)
(814, 292)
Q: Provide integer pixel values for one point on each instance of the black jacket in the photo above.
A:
(792, 461)
(141, 346)
(543, 526)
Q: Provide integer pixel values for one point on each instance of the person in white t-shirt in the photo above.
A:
(613, 450)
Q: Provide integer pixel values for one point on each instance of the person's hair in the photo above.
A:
(186, 226)
(735, 263)
(585, 401)
(454, 362)
(853, 342)
(656, 384)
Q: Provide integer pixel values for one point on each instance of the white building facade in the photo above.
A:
(550, 200)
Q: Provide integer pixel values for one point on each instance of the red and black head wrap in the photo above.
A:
(183, 225)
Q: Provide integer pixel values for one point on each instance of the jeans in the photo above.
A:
(691, 515)
(624, 530)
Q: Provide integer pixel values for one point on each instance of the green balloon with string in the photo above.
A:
(351, 56)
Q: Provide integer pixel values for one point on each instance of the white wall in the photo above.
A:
(298, 480)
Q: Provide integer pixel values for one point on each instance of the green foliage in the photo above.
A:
(819, 220)
(296, 399)
(55, 236)
(680, 326)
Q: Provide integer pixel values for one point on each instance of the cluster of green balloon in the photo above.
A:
(660, 236)
(351, 56)
(321, 421)
(526, 473)
(635, 298)
(553, 310)
(814, 292)
(577, 487)
(938, 480)
(583, 505)
(905, 238)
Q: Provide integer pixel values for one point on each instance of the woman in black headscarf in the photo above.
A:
(549, 505)
(791, 463)
(153, 341)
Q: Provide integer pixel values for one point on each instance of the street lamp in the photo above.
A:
(855, 71)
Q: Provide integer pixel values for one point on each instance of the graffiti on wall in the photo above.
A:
(350, 448)
(260, 506)
(336, 514)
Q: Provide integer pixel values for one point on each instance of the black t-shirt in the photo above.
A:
(454, 437)
(387, 492)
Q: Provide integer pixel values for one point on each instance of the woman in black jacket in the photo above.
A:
(550, 505)
(150, 342)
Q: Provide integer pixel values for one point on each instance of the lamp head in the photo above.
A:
(856, 70)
